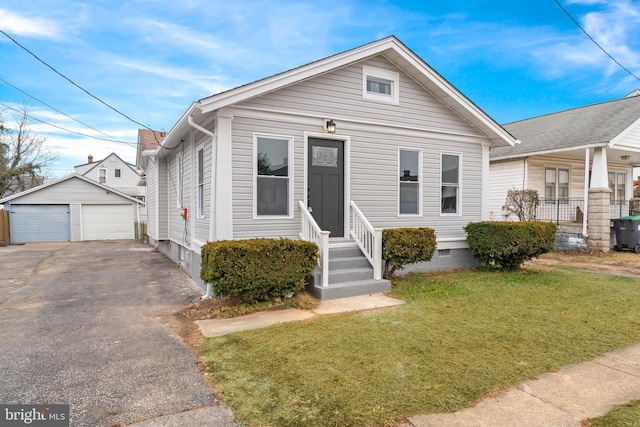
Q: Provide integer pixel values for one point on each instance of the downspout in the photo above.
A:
(586, 193)
(209, 293)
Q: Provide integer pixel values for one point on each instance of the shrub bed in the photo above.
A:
(257, 269)
(402, 246)
(509, 244)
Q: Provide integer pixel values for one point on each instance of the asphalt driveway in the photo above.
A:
(83, 324)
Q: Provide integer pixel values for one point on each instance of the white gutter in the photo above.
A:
(541, 153)
(208, 294)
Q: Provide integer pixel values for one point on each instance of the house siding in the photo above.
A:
(152, 199)
(504, 176)
(162, 192)
(180, 229)
(202, 225)
(83, 192)
(338, 95)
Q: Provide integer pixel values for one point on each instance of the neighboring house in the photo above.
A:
(73, 208)
(147, 140)
(117, 174)
(366, 139)
(579, 160)
(22, 183)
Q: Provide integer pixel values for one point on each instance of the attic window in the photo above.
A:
(380, 85)
(117, 173)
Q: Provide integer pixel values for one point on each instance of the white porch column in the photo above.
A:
(486, 192)
(223, 191)
(599, 172)
(586, 192)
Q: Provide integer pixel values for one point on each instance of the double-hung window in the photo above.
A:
(617, 184)
(556, 184)
(102, 176)
(272, 189)
(200, 187)
(410, 179)
(450, 184)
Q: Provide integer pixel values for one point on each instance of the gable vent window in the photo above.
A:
(380, 85)
(117, 173)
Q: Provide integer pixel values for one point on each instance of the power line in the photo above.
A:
(78, 86)
(64, 129)
(61, 112)
(595, 42)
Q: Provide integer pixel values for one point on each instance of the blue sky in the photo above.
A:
(151, 58)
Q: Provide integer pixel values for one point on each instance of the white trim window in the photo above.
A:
(617, 184)
(450, 172)
(273, 169)
(102, 175)
(409, 182)
(117, 173)
(179, 186)
(200, 183)
(556, 183)
(380, 85)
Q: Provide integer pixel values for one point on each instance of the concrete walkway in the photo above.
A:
(560, 399)
(220, 327)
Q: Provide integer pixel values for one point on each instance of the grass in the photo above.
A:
(462, 336)
(622, 416)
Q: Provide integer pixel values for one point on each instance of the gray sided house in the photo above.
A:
(73, 208)
(333, 152)
(581, 163)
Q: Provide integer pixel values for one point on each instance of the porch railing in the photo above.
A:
(311, 232)
(369, 239)
(571, 209)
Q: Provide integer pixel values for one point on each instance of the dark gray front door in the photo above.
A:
(326, 184)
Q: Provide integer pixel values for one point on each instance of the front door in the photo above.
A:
(325, 196)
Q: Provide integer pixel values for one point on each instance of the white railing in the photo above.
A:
(311, 232)
(369, 239)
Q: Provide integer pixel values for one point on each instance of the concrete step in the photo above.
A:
(350, 275)
(351, 289)
(351, 250)
(348, 262)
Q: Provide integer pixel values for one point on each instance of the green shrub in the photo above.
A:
(257, 269)
(402, 246)
(509, 244)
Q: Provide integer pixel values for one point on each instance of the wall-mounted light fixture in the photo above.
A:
(331, 126)
(626, 157)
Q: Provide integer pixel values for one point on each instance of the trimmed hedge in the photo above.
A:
(258, 269)
(509, 244)
(402, 246)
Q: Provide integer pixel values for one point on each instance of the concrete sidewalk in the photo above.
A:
(560, 399)
(220, 327)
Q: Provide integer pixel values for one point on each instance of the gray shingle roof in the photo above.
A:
(567, 130)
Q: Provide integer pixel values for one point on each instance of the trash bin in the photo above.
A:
(627, 231)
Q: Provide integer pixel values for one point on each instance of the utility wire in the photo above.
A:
(78, 86)
(595, 42)
(64, 129)
(62, 112)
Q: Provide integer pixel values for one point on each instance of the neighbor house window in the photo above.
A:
(409, 186)
(272, 176)
(556, 183)
(200, 183)
(117, 173)
(450, 184)
(102, 176)
(617, 184)
(380, 85)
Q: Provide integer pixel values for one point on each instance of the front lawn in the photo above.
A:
(627, 415)
(461, 336)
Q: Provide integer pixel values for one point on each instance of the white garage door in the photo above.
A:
(39, 223)
(107, 222)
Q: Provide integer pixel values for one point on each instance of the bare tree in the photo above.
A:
(23, 154)
(522, 203)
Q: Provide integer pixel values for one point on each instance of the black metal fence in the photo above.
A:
(571, 209)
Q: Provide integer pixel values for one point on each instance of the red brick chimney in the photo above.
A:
(90, 159)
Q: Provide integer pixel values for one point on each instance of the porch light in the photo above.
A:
(331, 126)
(625, 157)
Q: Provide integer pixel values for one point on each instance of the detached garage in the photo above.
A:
(73, 208)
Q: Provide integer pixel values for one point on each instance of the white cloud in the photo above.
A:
(28, 27)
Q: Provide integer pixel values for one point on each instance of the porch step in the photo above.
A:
(350, 274)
